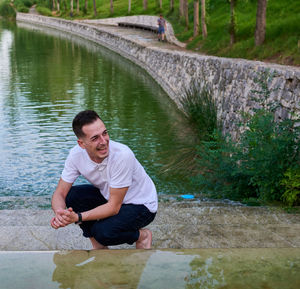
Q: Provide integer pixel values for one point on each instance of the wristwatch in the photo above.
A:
(79, 219)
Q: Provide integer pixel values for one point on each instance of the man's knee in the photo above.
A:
(73, 196)
(103, 234)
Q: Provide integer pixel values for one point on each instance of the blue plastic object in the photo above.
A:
(187, 196)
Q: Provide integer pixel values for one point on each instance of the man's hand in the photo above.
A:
(63, 218)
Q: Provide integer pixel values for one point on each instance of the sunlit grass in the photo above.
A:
(282, 30)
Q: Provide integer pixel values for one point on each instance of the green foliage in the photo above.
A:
(255, 166)
(201, 110)
(23, 9)
(282, 30)
(265, 162)
(291, 186)
(44, 11)
(6, 10)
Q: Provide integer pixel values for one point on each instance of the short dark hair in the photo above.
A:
(83, 118)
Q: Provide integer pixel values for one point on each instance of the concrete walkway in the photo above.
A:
(189, 224)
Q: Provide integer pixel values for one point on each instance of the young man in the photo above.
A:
(161, 28)
(121, 199)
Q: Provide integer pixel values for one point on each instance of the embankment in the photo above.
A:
(232, 81)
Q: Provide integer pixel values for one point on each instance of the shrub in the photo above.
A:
(291, 185)
(253, 167)
(6, 10)
(44, 11)
(23, 9)
(201, 110)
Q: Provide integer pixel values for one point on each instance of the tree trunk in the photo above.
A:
(129, 6)
(196, 18)
(77, 7)
(186, 13)
(85, 5)
(53, 4)
(171, 5)
(232, 22)
(181, 8)
(95, 8)
(203, 20)
(111, 7)
(58, 5)
(260, 30)
(145, 4)
(72, 11)
(160, 4)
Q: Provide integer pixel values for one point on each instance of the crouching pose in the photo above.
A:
(121, 198)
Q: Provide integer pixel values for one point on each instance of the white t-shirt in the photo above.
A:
(120, 169)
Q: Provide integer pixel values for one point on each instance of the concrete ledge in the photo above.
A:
(192, 224)
(146, 21)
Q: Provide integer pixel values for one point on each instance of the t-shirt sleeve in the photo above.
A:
(121, 172)
(70, 173)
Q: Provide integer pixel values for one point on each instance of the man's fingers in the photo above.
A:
(54, 224)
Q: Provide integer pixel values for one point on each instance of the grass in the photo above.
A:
(282, 44)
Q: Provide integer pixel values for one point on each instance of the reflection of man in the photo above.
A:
(99, 270)
(122, 198)
(161, 28)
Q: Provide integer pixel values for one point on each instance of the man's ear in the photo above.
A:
(81, 143)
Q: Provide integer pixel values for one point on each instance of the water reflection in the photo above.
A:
(190, 269)
(276, 268)
(49, 77)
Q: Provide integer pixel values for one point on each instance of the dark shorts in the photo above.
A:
(161, 30)
(119, 229)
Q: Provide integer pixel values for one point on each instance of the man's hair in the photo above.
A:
(83, 118)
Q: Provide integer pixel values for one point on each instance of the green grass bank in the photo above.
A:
(282, 44)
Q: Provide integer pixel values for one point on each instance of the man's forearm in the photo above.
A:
(58, 202)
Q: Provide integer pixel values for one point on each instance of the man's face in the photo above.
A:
(95, 141)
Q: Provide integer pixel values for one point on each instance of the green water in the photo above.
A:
(46, 77)
(154, 269)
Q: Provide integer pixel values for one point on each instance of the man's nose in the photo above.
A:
(102, 139)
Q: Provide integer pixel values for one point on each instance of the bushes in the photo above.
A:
(44, 11)
(264, 164)
(256, 166)
(291, 186)
(201, 110)
(6, 10)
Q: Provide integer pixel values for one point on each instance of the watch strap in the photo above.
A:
(79, 219)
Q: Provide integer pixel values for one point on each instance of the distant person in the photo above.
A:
(121, 199)
(161, 28)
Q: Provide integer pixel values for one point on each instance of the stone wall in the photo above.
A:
(232, 81)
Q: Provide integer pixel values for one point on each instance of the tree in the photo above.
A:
(95, 8)
(196, 17)
(203, 19)
(171, 5)
(160, 4)
(72, 10)
(58, 5)
(77, 7)
(186, 13)
(111, 7)
(232, 26)
(260, 30)
(145, 4)
(181, 8)
(129, 6)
